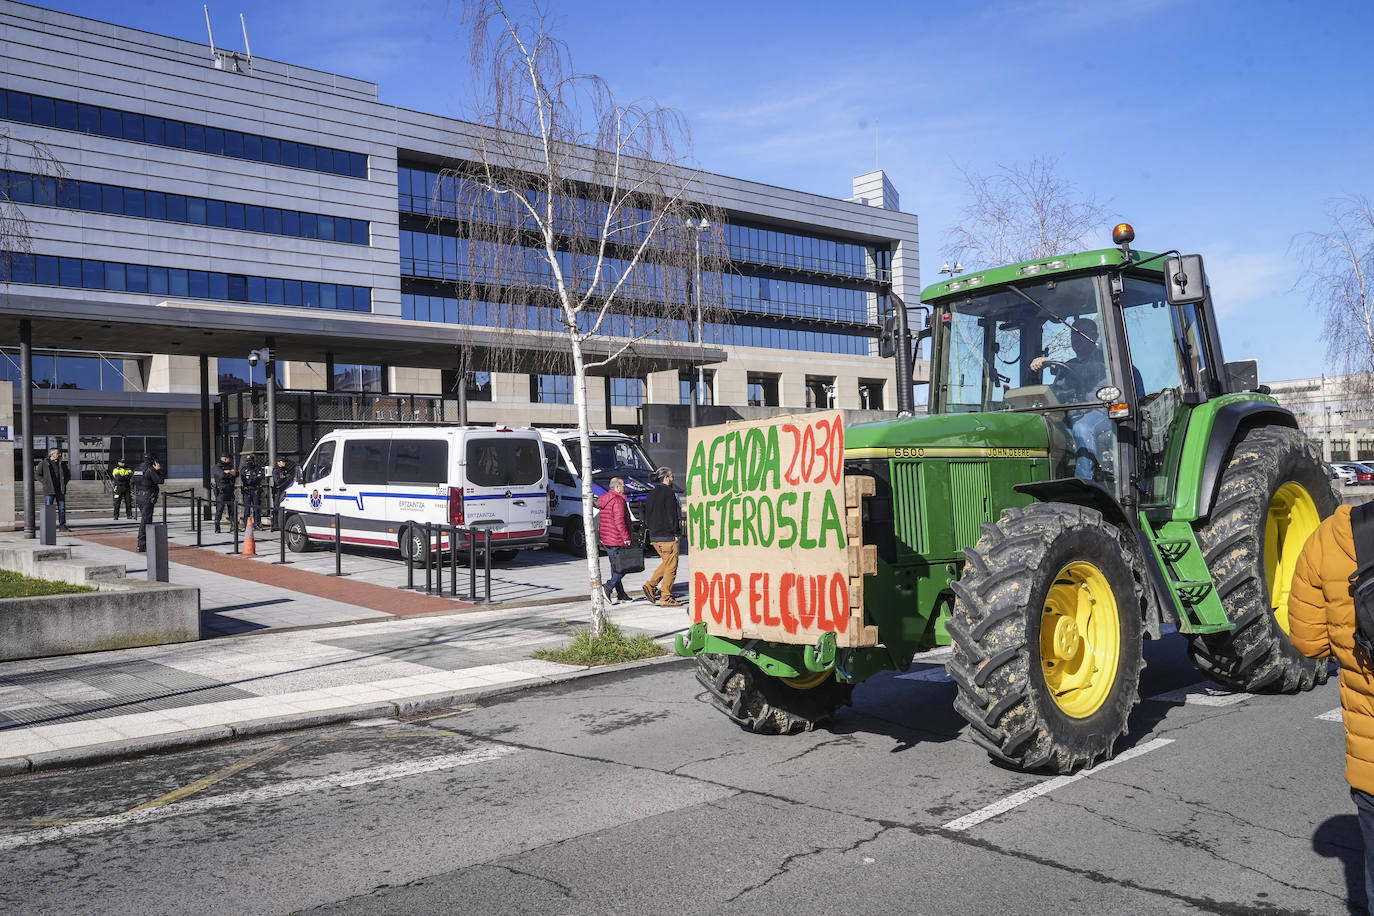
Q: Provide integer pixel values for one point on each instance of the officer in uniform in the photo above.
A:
(145, 482)
(282, 478)
(222, 478)
(122, 475)
(250, 480)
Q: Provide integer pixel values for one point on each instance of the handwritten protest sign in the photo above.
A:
(768, 529)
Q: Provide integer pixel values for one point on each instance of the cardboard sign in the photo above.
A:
(766, 521)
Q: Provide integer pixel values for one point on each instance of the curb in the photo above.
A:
(216, 734)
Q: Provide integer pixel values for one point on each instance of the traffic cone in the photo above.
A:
(250, 546)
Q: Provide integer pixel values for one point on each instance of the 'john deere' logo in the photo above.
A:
(315, 499)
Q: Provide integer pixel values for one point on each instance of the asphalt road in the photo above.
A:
(627, 793)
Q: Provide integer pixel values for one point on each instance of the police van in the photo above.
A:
(385, 484)
(614, 454)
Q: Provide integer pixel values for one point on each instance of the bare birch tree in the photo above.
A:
(1018, 213)
(575, 218)
(1340, 280)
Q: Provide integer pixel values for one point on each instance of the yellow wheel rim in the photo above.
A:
(1290, 522)
(808, 680)
(1080, 639)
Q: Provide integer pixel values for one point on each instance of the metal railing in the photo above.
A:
(436, 536)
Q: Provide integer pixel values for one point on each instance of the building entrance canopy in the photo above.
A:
(231, 331)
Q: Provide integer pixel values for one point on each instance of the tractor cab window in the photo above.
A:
(1171, 369)
(1036, 347)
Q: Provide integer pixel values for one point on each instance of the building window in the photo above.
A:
(139, 128)
(358, 377)
(176, 283)
(478, 385)
(763, 389)
(687, 378)
(1364, 449)
(551, 389)
(236, 374)
(178, 208)
(1340, 450)
(627, 392)
(820, 392)
(76, 371)
(871, 393)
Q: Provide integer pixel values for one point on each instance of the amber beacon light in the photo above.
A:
(1123, 234)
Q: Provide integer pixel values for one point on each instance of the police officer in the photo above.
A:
(282, 477)
(250, 478)
(222, 479)
(145, 482)
(122, 475)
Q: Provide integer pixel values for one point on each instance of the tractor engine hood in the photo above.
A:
(963, 435)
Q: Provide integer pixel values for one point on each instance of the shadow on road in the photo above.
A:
(1339, 838)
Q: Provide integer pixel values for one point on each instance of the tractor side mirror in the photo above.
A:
(1243, 375)
(887, 343)
(1184, 281)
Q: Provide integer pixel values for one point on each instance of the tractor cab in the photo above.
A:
(1096, 344)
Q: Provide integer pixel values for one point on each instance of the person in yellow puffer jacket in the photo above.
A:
(1321, 617)
(121, 475)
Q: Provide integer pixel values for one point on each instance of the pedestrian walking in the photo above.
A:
(145, 483)
(1321, 617)
(614, 529)
(282, 477)
(663, 522)
(222, 479)
(250, 480)
(54, 474)
(121, 476)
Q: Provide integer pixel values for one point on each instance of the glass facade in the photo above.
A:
(92, 197)
(775, 248)
(551, 389)
(43, 111)
(532, 318)
(76, 371)
(84, 273)
(627, 392)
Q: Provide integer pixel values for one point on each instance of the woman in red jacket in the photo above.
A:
(615, 534)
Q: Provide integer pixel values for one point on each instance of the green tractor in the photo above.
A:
(1090, 471)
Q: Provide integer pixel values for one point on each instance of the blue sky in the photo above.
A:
(1216, 127)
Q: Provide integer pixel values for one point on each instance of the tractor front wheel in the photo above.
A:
(1046, 632)
(1273, 495)
(770, 705)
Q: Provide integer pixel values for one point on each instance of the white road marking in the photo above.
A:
(1020, 798)
(372, 723)
(939, 675)
(1332, 716)
(273, 792)
(1201, 694)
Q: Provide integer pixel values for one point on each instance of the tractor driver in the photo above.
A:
(1077, 382)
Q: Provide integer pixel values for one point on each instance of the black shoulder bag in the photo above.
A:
(1362, 579)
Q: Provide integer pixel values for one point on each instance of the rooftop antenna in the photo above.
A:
(214, 55)
(247, 49)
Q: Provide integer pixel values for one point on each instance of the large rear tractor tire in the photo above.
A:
(770, 705)
(1273, 495)
(1046, 631)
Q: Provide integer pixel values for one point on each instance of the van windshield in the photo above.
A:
(504, 462)
(610, 455)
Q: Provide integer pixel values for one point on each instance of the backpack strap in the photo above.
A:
(1362, 527)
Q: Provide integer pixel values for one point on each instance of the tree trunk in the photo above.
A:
(598, 623)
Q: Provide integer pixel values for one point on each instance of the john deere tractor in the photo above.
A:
(1091, 469)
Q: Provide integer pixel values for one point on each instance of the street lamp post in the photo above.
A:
(697, 227)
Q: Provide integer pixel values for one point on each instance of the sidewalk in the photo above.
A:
(296, 648)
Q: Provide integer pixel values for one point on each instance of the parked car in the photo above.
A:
(1364, 474)
(1344, 474)
(614, 454)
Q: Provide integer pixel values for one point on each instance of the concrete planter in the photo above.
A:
(125, 613)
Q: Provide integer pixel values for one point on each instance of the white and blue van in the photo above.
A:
(614, 454)
(385, 484)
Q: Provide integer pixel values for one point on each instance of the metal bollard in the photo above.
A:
(410, 559)
(157, 552)
(486, 594)
(472, 564)
(236, 533)
(279, 522)
(338, 546)
(429, 560)
(199, 521)
(165, 497)
(453, 560)
(439, 559)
